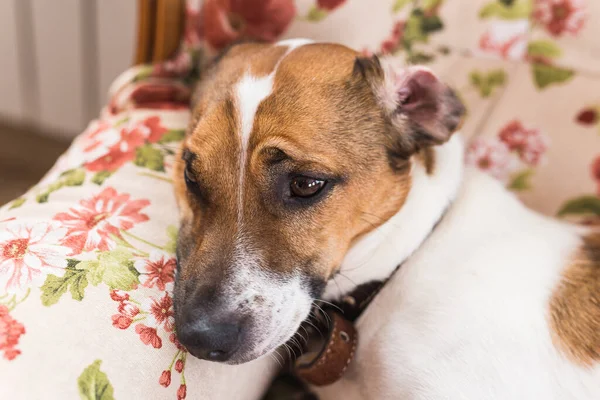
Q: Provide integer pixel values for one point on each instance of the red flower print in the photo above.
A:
(507, 39)
(127, 312)
(165, 378)
(119, 295)
(329, 4)
(181, 392)
(121, 321)
(162, 313)
(530, 144)
(227, 20)
(559, 16)
(118, 154)
(156, 130)
(179, 365)
(111, 161)
(99, 134)
(148, 335)
(392, 42)
(91, 224)
(157, 271)
(588, 116)
(114, 153)
(491, 156)
(10, 332)
(29, 252)
(173, 339)
(596, 172)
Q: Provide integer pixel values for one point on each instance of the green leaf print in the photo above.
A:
(543, 48)
(174, 135)
(101, 176)
(54, 287)
(429, 4)
(519, 9)
(93, 270)
(486, 82)
(17, 203)
(72, 177)
(399, 5)
(316, 14)
(413, 30)
(581, 206)
(117, 269)
(521, 181)
(431, 24)
(93, 384)
(546, 75)
(149, 157)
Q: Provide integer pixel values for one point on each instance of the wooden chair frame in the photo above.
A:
(159, 29)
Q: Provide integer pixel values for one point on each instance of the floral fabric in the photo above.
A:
(87, 255)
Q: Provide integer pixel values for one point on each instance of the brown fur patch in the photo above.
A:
(575, 305)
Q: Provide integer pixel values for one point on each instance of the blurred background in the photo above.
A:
(57, 61)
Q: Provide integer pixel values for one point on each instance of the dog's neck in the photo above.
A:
(377, 255)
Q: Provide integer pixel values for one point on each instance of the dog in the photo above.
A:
(309, 169)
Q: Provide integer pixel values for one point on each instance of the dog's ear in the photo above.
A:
(421, 110)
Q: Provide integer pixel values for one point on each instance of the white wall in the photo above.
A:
(58, 57)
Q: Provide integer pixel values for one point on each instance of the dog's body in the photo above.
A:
(475, 312)
(309, 170)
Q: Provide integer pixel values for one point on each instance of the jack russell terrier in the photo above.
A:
(306, 162)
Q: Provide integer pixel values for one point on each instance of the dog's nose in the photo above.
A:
(213, 342)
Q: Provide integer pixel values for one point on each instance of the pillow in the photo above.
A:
(87, 264)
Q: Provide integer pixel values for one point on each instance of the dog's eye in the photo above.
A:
(188, 175)
(303, 186)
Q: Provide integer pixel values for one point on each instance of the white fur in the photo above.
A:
(250, 92)
(283, 304)
(286, 302)
(378, 254)
(466, 316)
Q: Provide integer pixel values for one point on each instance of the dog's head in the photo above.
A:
(290, 146)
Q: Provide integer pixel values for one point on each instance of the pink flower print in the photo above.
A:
(530, 144)
(158, 270)
(29, 252)
(91, 224)
(491, 156)
(560, 16)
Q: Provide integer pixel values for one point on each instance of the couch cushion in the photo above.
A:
(87, 264)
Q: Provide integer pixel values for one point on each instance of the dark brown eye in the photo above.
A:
(188, 176)
(303, 186)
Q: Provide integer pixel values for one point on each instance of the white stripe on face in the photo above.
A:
(250, 92)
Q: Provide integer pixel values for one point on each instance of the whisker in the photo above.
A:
(289, 351)
(351, 281)
(315, 327)
(301, 336)
(307, 335)
(338, 286)
(329, 303)
(327, 318)
(272, 355)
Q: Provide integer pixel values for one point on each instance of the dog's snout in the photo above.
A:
(213, 341)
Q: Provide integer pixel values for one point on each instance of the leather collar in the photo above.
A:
(332, 337)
